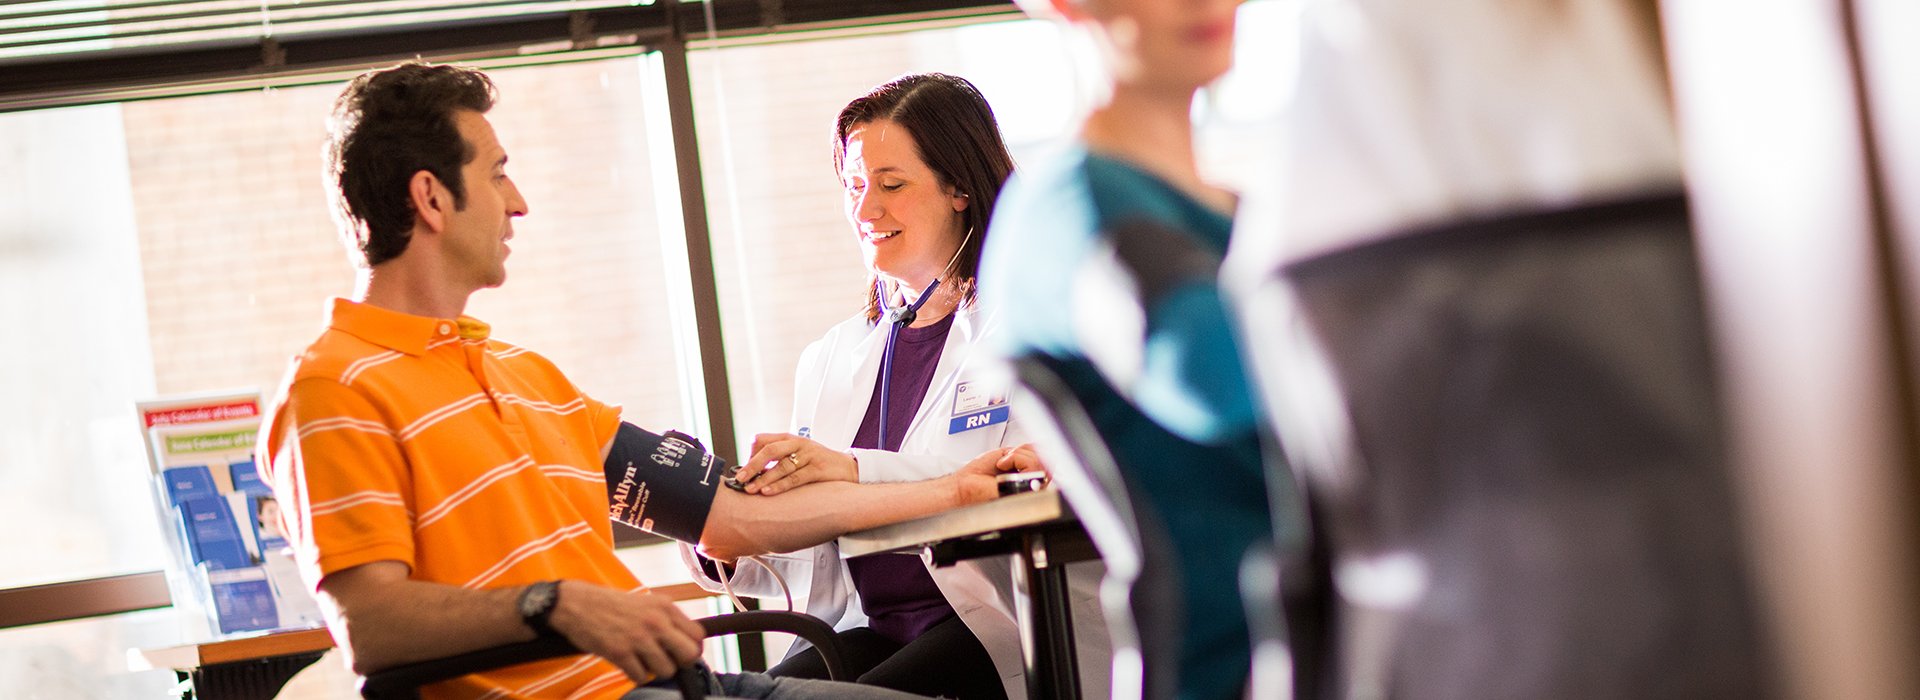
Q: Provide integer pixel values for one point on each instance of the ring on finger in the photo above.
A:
(794, 457)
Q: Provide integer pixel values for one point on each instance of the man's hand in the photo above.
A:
(1022, 458)
(644, 634)
(977, 481)
(1019, 458)
(782, 461)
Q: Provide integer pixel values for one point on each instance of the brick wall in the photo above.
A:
(240, 253)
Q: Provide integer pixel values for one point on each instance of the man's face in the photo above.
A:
(477, 235)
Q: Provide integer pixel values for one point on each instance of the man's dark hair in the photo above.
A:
(387, 125)
(957, 137)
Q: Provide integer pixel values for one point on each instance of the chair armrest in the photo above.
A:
(404, 682)
(816, 631)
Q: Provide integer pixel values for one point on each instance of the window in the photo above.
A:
(184, 245)
(72, 301)
(784, 254)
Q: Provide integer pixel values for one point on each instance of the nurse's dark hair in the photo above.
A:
(387, 125)
(957, 137)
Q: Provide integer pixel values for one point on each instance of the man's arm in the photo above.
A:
(383, 619)
(672, 471)
(742, 525)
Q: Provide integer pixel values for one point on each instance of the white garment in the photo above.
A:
(834, 384)
(1413, 114)
(1408, 115)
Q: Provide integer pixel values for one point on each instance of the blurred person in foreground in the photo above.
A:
(1104, 262)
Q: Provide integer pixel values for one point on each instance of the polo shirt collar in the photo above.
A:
(399, 331)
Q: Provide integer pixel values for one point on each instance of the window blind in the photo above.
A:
(58, 52)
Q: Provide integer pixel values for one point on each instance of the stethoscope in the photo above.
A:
(900, 317)
(897, 318)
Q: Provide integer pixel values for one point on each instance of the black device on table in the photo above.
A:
(1011, 483)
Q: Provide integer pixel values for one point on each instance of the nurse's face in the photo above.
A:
(908, 221)
(1178, 46)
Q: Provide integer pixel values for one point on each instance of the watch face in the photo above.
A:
(538, 599)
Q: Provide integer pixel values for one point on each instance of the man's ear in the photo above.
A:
(431, 200)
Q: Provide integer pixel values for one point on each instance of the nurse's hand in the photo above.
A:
(782, 461)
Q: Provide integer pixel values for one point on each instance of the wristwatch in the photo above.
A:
(536, 605)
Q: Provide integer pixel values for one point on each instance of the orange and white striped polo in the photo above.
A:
(477, 463)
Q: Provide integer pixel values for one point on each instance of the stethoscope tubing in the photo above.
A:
(898, 318)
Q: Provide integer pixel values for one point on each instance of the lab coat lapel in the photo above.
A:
(854, 374)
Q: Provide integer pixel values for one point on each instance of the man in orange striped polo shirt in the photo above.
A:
(443, 490)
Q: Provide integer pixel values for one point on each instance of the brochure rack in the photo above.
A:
(231, 572)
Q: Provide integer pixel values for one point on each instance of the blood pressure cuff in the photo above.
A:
(663, 484)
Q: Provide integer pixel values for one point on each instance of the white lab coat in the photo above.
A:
(835, 382)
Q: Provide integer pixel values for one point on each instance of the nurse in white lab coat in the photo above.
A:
(922, 161)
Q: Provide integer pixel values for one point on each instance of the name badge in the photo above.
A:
(974, 407)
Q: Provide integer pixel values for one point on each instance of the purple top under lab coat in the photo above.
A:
(898, 595)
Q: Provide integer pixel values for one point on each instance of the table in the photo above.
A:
(1041, 529)
(248, 668)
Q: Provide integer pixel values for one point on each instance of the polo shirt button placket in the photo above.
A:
(477, 364)
(476, 353)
